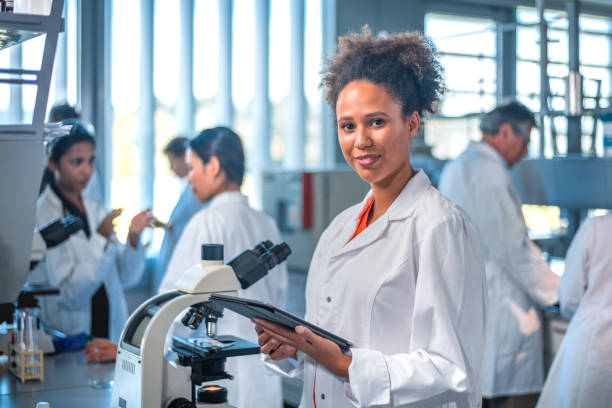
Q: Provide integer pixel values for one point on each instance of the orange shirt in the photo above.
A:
(364, 217)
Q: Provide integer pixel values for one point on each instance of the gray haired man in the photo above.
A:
(519, 282)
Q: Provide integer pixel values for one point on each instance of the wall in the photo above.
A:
(388, 15)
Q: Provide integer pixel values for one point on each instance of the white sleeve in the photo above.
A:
(444, 358)
(77, 276)
(573, 283)
(287, 367)
(504, 234)
(130, 263)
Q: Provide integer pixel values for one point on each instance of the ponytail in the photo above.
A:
(48, 178)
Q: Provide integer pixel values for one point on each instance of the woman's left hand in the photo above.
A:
(324, 351)
(140, 221)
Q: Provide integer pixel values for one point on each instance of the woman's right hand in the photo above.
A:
(106, 227)
(273, 347)
(100, 349)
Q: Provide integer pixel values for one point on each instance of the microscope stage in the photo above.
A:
(213, 348)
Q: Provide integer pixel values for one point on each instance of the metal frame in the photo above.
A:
(21, 153)
(50, 25)
(146, 113)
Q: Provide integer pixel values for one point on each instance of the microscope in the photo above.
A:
(147, 377)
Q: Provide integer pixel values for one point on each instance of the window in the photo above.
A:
(280, 83)
(594, 45)
(280, 43)
(166, 86)
(125, 100)
(28, 55)
(65, 81)
(243, 58)
(208, 90)
(206, 63)
(467, 48)
(313, 47)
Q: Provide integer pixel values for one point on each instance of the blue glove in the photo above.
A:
(70, 343)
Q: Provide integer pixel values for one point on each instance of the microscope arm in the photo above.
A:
(143, 338)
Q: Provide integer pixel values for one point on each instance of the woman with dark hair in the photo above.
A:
(401, 274)
(217, 161)
(92, 267)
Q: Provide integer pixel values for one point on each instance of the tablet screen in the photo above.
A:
(253, 308)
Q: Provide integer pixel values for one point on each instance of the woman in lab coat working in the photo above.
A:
(401, 274)
(92, 267)
(217, 161)
(581, 374)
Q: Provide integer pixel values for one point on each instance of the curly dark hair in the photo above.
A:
(406, 64)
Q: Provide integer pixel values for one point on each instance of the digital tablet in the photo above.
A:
(253, 308)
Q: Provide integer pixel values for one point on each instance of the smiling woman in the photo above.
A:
(399, 273)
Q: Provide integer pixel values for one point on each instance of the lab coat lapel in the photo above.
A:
(365, 238)
(402, 207)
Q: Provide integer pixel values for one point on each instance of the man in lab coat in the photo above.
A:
(187, 205)
(520, 283)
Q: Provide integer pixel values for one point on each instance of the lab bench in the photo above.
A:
(65, 385)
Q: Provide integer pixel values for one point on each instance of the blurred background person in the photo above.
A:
(186, 206)
(218, 163)
(519, 282)
(92, 267)
(581, 374)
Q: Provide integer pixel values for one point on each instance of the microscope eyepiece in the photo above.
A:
(262, 247)
(251, 266)
(275, 255)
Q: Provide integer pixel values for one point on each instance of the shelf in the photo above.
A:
(17, 28)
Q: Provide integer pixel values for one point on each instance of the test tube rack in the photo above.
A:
(26, 364)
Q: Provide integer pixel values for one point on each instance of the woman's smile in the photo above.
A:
(367, 160)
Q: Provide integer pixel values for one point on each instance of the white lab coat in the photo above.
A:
(581, 374)
(186, 206)
(519, 281)
(229, 220)
(410, 293)
(79, 266)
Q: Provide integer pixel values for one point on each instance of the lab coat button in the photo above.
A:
(322, 396)
(328, 299)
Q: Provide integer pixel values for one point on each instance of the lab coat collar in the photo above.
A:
(403, 206)
(228, 197)
(487, 150)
